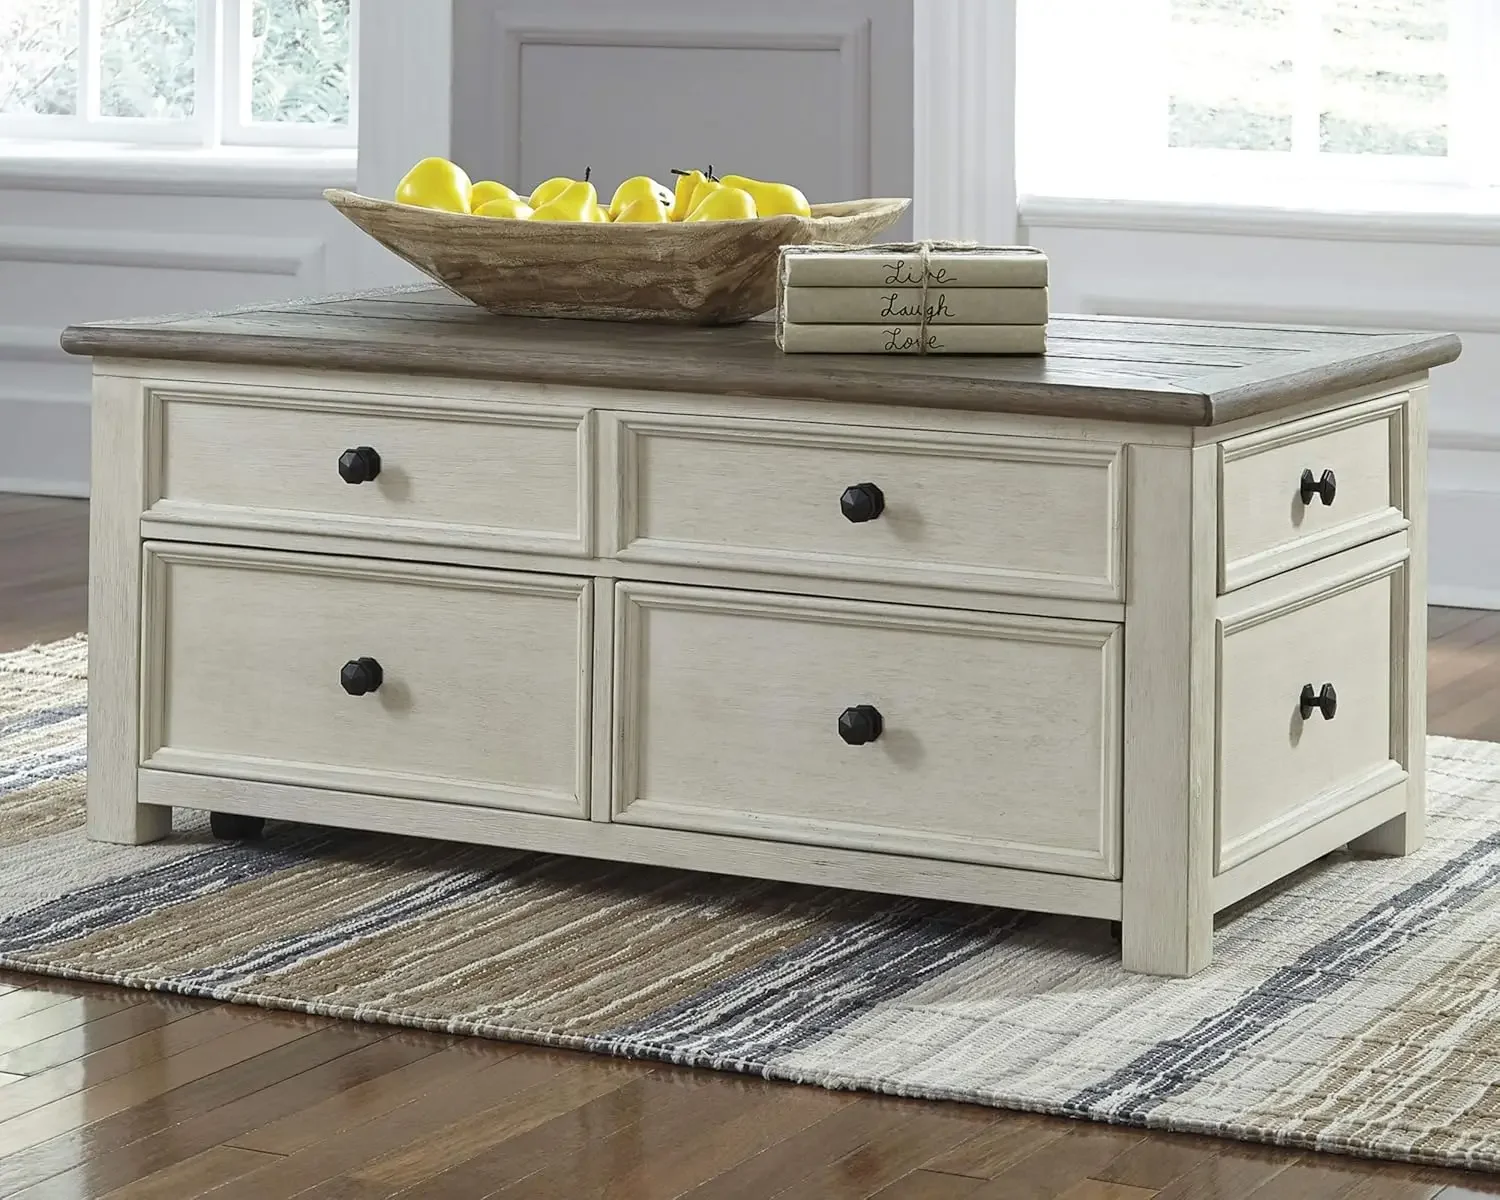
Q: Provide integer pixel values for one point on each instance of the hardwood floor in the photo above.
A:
(44, 549)
(108, 1092)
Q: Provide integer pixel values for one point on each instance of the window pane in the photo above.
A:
(39, 56)
(146, 50)
(299, 69)
(1385, 80)
(1231, 83)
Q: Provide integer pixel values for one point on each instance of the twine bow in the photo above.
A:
(923, 249)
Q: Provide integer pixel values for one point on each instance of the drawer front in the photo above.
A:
(468, 475)
(1271, 523)
(483, 696)
(1023, 515)
(998, 741)
(1284, 766)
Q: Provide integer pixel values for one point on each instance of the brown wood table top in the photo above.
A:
(1114, 368)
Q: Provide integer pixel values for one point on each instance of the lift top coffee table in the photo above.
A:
(1128, 632)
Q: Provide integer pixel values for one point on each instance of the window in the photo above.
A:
(181, 72)
(1187, 98)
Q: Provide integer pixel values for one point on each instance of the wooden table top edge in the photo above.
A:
(752, 366)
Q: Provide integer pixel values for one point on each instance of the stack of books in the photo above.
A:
(912, 298)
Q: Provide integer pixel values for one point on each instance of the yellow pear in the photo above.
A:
(486, 190)
(435, 183)
(503, 206)
(644, 209)
(682, 202)
(579, 201)
(771, 199)
(725, 204)
(549, 190)
(635, 188)
(708, 188)
(702, 192)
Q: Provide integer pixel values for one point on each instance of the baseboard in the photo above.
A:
(64, 489)
(44, 443)
(1464, 597)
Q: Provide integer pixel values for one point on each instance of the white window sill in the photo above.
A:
(1344, 211)
(114, 167)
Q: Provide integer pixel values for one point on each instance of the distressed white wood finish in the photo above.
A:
(556, 564)
(1405, 832)
(1278, 773)
(489, 476)
(1000, 741)
(606, 396)
(1337, 829)
(485, 699)
(821, 866)
(1059, 664)
(1167, 898)
(1029, 516)
(601, 715)
(119, 494)
(1267, 529)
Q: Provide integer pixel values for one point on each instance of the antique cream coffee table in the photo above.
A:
(1129, 632)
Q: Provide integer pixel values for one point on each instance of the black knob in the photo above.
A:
(359, 465)
(1325, 487)
(860, 724)
(862, 502)
(361, 675)
(1326, 699)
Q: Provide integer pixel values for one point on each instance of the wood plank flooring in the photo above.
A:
(108, 1092)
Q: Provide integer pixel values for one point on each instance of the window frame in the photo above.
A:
(1121, 149)
(222, 94)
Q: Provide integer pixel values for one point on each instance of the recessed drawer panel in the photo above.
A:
(1032, 516)
(1300, 492)
(435, 683)
(375, 468)
(966, 736)
(1308, 699)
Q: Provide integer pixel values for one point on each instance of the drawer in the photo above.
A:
(998, 737)
(1282, 766)
(483, 695)
(467, 475)
(1271, 523)
(1022, 515)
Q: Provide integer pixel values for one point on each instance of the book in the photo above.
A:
(943, 306)
(794, 338)
(900, 264)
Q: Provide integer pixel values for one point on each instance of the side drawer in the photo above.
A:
(1271, 520)
(481, 679)
(457, 474)
(1312, 704)
(974, 737)
(1033, 516)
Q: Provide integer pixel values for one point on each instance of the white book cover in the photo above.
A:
(794, 338)
(905, 265)
(942, 306)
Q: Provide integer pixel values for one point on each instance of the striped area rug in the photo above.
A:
(1354, 1009)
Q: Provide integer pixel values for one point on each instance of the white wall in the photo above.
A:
(126, 243)
(1275, 267)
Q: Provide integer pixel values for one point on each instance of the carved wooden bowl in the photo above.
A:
(703, 273)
